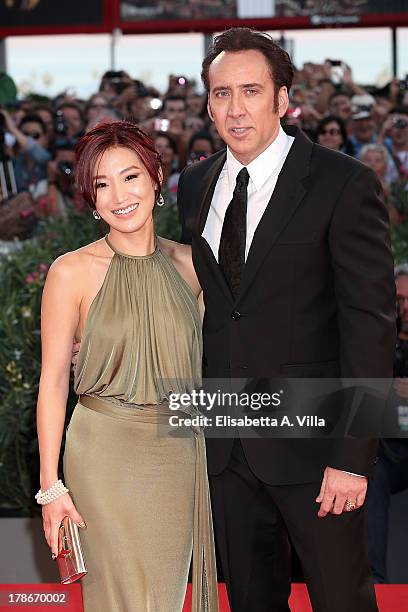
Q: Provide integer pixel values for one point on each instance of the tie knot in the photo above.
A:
(242, 179)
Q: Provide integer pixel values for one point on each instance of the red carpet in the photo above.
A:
(390, 598)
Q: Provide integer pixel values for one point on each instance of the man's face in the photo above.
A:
(363, 129)
(376, 161)
(48, 119)
(340, 106)
(402, 298)
(195, 104)
(202, 145)
(399, 131)
(241, 103)
(175, 110)
(74, 121)
(35, 131)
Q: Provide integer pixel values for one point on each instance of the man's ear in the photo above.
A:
(209, 111)
(283, 101)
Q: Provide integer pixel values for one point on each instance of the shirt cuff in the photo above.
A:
(352, 474)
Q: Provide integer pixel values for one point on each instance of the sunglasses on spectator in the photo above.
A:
(98, 105)
(331, 131)
(400, 124)
(35, 135)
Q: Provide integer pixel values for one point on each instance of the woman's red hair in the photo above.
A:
(90, 148)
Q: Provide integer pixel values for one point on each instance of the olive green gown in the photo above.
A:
(141, 489)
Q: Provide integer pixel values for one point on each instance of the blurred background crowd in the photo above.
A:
(38, 135)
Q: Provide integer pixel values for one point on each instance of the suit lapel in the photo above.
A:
(209, 179)
(288, 193)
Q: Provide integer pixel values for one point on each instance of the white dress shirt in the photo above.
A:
(263, 175)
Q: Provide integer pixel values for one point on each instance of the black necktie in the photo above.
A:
(231, 252)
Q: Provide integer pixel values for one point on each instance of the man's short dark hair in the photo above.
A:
(338, 93)
(173, 98)
(399, 110)
(201, 135)
(247, 39)
(33, 118)
(71, 105)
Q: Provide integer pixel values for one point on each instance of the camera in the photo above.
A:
(197, 156)
(141, 89)
(66, 168)
(404, 83)
(2, 129)
(60, 125)
(336, 71)
(116, 79)
(161, 125)
(400, 124)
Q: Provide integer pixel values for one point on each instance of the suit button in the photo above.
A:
(236, 315)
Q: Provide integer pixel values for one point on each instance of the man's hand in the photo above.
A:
(74, 359)
(337, 488)
(52, 172)
(401, 387)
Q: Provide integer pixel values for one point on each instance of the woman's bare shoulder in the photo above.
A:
(79, 261)
(181, 256)
(175, 250)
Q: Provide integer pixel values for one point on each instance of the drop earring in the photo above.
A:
(160, 200)
(96, 215)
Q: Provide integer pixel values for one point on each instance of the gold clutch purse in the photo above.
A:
(71, 562)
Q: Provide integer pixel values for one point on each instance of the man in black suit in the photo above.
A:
(290, 244)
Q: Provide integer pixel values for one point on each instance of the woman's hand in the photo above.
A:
(53, 514)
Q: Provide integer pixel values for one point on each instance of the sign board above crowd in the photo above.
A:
(154, 16)
(215, 15)
(54, 17)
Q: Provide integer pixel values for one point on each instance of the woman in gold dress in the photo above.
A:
(131, 299)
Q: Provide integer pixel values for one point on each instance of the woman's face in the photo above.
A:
(330, 136)
(163, 147)
(97, 105)
(376, 161)
(125, 193)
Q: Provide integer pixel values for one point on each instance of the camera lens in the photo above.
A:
(400, 124)
(66, 168)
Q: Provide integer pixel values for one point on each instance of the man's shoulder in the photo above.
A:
(199, 169)
(337, 162)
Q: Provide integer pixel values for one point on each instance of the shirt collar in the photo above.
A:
(262, 166)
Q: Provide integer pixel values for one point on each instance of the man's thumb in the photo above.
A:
(322, 488)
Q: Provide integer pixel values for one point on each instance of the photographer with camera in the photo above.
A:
(391, 474)
(394, 135)
(362, 126)
(30, 162)
(55, 194)
(125, 95)
(71, 114)
(200, 146)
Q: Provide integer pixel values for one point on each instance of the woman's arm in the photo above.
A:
(59, 321)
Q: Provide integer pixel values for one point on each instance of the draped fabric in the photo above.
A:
(141, 341)
(142, 336)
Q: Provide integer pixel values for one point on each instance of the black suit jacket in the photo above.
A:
(316, 297)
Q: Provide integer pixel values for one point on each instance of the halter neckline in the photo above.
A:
(117, 252)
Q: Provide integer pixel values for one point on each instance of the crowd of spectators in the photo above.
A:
(39, 137)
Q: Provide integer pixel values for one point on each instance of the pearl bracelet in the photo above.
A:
(48, 496)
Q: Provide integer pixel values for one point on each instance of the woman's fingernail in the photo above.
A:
(82, 525)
